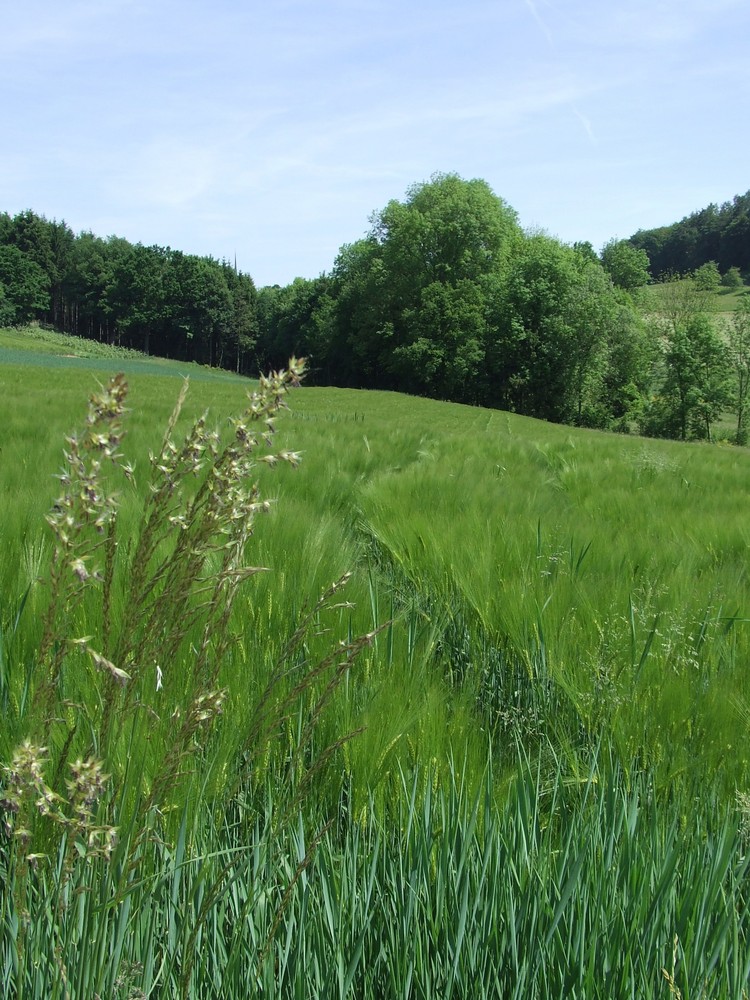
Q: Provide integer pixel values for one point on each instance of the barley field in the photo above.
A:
(411, 699)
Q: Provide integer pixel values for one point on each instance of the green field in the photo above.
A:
(723, 302)
(33, 345)
(533, 779)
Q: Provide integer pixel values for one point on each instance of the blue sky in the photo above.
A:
(273, 130)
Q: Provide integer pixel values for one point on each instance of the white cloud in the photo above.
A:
(276, 129)
(169, 173)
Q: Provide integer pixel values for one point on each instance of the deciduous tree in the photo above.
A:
(738, 340)
(707, 277)
(627, 265)
(692, 386)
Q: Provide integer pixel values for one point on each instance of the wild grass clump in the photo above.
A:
(170, 584)
(110, 725)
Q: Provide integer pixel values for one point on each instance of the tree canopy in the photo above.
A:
(719, 233)
(153, 298)
(445, 296)
(628, 266)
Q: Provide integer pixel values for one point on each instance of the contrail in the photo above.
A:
(537, 17)
(586, 124)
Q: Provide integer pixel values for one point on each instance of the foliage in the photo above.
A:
(586, 251)
(418, 321)
(431, 301)
(24, 289)
(707, 277)
(535, 332)
(292, 320)
(692, 383)
(737, 331)
(732, 278)
(717, 233)
(149, 298)
(628, 266)
(559, 321)
(446, 297)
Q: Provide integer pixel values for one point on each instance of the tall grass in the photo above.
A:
(590, 584)
(576, 890)
(575, 583)
(109, 722)
(540, 649)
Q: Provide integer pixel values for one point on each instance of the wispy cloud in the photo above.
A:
(36, 24)
(276, 129)
(541, 24)
(586, 125)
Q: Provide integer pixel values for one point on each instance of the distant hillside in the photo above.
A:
(720, 233)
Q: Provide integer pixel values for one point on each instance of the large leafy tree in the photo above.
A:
(206, 308)
(737, 332)
(564, 343)
(32, 234)
(409, 299)
(447, 297)
(136, 295)
(450, 229)
(707, 277)
(90, 274)
(595, 314)
(49, 245)
(444, 352)
(243, 329)
(628, 266)
(693, 376)
(547, 333)
(630, 355)
(292, 320)
(361, 329)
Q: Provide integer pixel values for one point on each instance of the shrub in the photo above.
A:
(732, 278)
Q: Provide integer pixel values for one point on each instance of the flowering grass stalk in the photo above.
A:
(133, 641)
(178, 580)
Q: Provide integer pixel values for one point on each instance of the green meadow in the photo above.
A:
(722, 302)
(509, 757)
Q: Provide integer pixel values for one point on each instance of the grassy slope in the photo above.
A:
(577, 582)
(33, 345)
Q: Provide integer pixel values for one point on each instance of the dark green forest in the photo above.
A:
(445, 296)
(719, 233)
(153, 299)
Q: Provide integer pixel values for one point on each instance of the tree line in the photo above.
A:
(718, 233)
(149, 298)
(445, 296)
